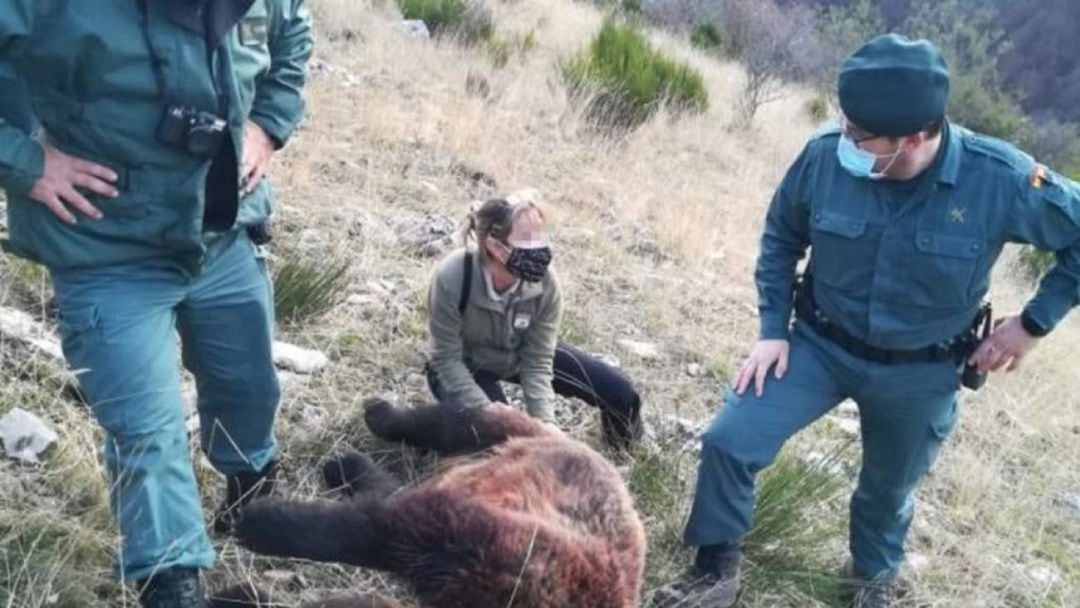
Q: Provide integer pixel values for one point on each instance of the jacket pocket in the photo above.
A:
(943, 269)
(842, 254)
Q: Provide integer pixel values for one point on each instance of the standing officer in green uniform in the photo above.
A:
(905, 215)
(134, 135)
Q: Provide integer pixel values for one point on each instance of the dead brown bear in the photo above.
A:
(534, 520)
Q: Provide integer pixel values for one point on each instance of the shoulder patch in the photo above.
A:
(1039, 177)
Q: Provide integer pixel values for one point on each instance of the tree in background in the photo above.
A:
(971, 42)
(774, 46)
(844, 28)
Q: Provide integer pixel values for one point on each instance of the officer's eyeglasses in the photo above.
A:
(856, 135)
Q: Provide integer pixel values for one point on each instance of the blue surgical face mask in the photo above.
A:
(860, 163)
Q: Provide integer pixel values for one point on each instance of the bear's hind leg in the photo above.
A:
(322, 530)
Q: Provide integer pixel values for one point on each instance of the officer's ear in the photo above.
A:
(911, 143)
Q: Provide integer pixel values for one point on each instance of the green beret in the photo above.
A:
(894, 86)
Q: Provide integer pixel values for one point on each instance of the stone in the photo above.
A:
(415, 28)
(431, 235)
(644, 350)
(694, 370)
(917, 563)
(297, 359)
(313, 416)
(25, 436)
(23, 328)
(361, 299)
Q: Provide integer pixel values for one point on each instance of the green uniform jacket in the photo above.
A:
(907, 269)
(516, 338)
(82, 71)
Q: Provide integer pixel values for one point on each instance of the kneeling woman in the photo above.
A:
(494, 315)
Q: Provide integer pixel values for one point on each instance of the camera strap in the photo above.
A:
(214, 20)
(156, 62)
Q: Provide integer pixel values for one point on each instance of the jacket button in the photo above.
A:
(975, 247)
(925, 240)
(817, 217)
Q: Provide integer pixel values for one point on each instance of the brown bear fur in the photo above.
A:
(536, 520)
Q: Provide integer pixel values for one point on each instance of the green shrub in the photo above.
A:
(706, 36)
(626, 80)
(797, 512)
(817, 109)
(466, 20)
(305, 289)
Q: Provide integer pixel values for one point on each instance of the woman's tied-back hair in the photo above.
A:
(495, 217)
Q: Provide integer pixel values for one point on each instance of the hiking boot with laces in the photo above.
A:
(880, 592)
(714, 583)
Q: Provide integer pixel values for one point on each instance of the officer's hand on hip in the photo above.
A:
(62, 180)
(765, 355)
(1007, 345)
(258, 150)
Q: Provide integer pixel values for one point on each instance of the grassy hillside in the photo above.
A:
(655, 233)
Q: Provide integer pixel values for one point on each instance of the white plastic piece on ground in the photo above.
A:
(644, 350)
(25, 436)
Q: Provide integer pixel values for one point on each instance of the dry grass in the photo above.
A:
(656, 235)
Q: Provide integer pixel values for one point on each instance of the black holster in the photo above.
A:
(980, 329)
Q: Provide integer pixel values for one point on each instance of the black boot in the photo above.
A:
(240, 489)
(176, 587)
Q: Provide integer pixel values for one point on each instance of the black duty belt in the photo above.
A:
(955, 349)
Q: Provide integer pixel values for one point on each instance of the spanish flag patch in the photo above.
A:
(1038, 177)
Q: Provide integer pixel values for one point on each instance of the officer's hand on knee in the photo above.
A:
(1007, 345)
(63, 179)
(765, 355)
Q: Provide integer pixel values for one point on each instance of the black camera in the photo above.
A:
(196, 132)
(972, 378)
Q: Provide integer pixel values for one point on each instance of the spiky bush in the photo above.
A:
(625, 81)
(468, 21)
(304, 289)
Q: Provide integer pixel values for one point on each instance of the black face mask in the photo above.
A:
(529, 264)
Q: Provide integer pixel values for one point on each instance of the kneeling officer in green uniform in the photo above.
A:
(905, 214)
(134, 135)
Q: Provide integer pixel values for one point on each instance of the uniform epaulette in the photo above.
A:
(999, 150)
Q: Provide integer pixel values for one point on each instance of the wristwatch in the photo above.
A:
(1032, 326)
